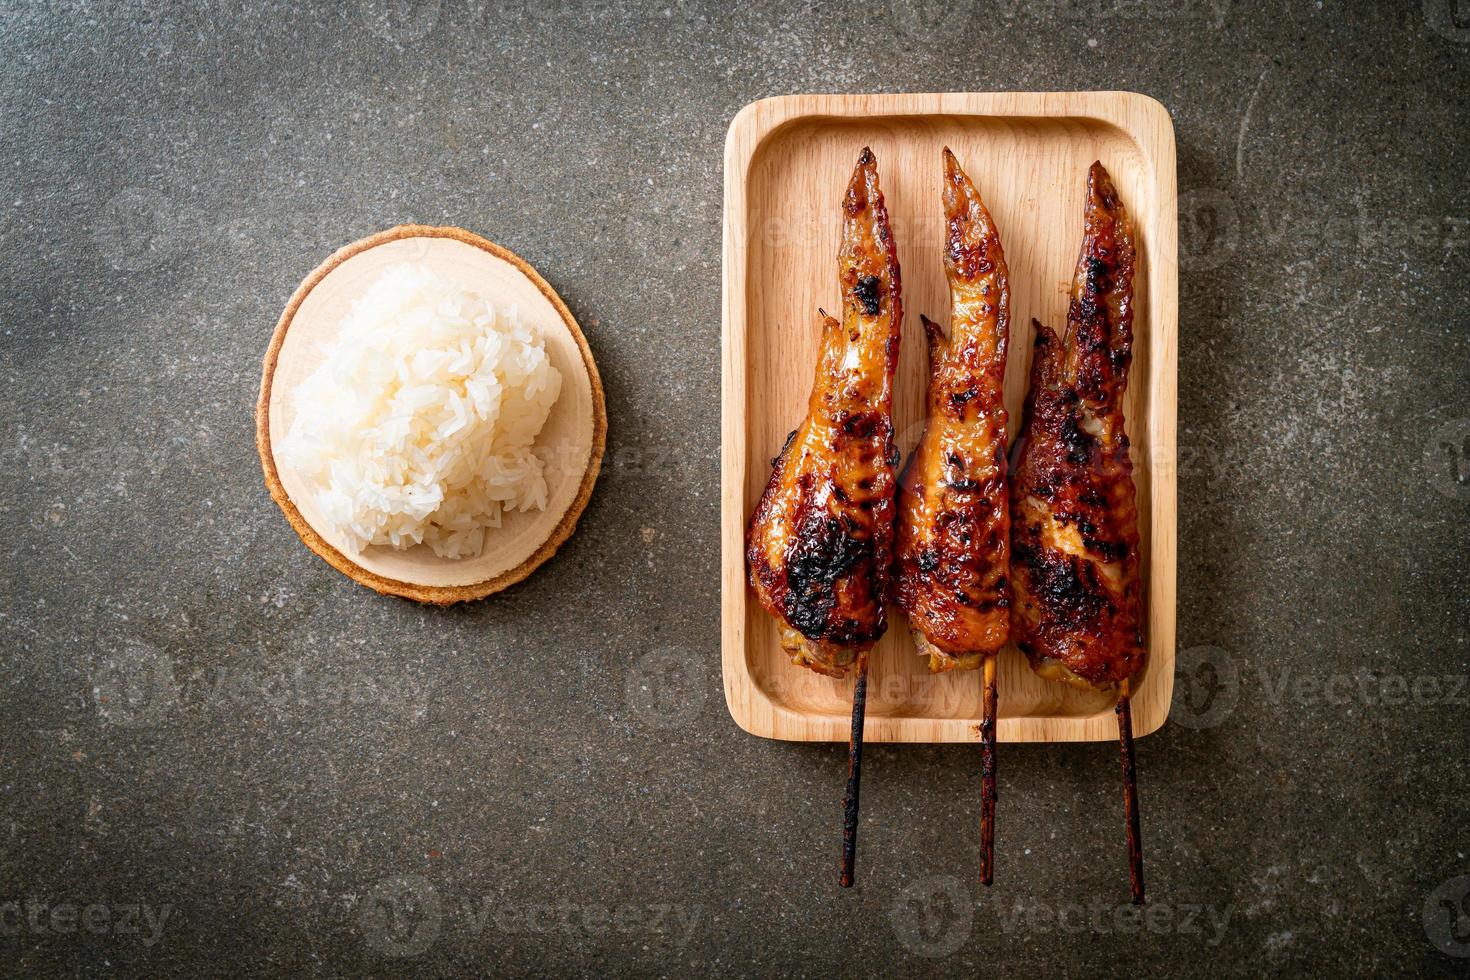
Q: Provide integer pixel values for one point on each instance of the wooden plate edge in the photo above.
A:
(749, 706)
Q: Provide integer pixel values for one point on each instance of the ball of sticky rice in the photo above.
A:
(420, 424)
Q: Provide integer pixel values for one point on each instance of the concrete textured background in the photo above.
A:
(220, 756)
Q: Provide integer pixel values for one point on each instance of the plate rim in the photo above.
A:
(441, 595)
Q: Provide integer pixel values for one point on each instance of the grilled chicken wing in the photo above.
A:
(1074, 532)
(953, 544)
(820, 542)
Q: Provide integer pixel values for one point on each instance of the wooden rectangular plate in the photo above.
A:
(787, 161)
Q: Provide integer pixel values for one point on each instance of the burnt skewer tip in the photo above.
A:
(854, 775)
(987, 776)
(1130, 795)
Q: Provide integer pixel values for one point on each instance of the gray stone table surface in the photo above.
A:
(219, 756)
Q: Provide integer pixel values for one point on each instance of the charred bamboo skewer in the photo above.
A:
(820, 543)
(1130, 795)
(953, 547)
(1074, 518)
(987, 776)
(854, 776)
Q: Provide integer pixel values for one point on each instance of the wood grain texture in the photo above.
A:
(786, 160)
(572, 441)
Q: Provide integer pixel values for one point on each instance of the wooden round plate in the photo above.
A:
(573, 438)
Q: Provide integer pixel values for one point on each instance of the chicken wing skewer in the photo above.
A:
(820, 542)
(953, 544)
(1074, 532)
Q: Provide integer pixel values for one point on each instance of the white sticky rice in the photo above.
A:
(420, 424)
